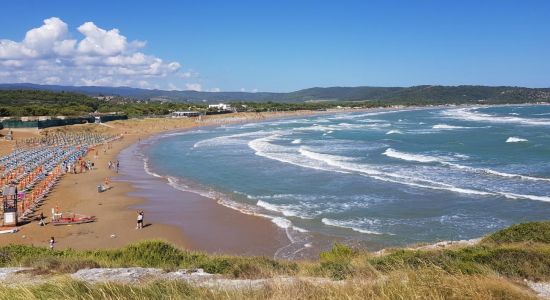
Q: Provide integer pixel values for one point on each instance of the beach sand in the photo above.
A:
(195, 222)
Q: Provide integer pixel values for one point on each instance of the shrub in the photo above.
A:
(538, 232)
(337, 261)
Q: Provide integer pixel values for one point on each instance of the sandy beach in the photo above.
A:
(195, 222)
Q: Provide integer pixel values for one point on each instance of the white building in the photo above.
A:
(220, 106)
(180, 114)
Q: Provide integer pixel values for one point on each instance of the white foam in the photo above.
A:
(394, 131)
(281, 222)
(410, 157)
(299, 229)
(470, 114)
(227, 139)
(363, 115)
(428, 159)
(148, 169)
(530, 197)
(296, 141)
(367, 170)
(287, 225)
(349, 225)
(266, 205)
(335, 163)
(514, 139)
(263, 147)
(241, 207)
(288, 210)
(445, 126)
(186, 132)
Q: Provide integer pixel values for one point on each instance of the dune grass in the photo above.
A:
(155, 254)
(489, 270)
(427, 283)
(535, 232)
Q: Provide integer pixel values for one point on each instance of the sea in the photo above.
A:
(382, 178)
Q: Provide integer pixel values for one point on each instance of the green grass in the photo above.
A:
(512, 254)
(520, 251)
(428, 283)
(537, 232)
(156, 254)
(512, 261)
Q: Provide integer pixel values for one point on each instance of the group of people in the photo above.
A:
(114, 165)
(82, 165)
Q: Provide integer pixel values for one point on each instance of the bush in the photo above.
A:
(337, 261)
(538, 232)
(517, 262)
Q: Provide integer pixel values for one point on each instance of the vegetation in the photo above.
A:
(417, 95)
(493, 269)
(18, 103)
(408, 284)
(144, 254)
(138, 102)
(538, 232)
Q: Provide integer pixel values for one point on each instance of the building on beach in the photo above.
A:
(185, 114)
(220, 107)
(40, 122)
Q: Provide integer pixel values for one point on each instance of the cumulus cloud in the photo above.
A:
(49, 55)
(193, 87)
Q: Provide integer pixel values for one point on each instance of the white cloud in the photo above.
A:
(48, 55)
(215, 90)
(193, 87)
(101, 42)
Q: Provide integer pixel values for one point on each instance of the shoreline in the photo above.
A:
(209, 226)
(116, 210)
(420, 245)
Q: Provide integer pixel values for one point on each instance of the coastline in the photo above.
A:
(116, 208)
(206, 225)
(209, 226)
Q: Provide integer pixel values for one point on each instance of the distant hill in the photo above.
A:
(424, 94)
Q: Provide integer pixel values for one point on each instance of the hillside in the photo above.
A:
(425, 94)
(513, 263)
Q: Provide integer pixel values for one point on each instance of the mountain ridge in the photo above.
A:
(422, 93)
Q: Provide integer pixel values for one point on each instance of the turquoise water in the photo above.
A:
(385, 178)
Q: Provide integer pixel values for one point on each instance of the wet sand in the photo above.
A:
(210, 226)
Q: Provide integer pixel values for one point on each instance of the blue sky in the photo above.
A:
(282, 45)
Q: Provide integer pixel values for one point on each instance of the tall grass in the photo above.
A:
(429, 283)
(484, 271)
(534, 232)
(156, 254)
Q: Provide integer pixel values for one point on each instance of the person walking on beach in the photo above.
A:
(41, 222)
(117, 165)
(139, 220)
(52, 242)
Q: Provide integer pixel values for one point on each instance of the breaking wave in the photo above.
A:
(433, 159)
(471, 114)
(514, 139)
(353, 225)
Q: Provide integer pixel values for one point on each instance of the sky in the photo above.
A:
(275, 46)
